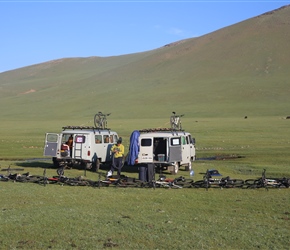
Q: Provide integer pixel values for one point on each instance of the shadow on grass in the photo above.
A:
(35, 164)
(47, 164)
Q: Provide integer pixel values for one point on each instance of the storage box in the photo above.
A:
(161, 157)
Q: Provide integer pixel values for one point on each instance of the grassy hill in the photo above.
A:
(239, 70)
(215, 80)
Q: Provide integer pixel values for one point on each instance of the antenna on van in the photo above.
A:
(100, 120)
(175, 121)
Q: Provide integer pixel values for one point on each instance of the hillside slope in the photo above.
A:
(238, 70)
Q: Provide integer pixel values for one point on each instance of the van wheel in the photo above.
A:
(188, 167)
(175, 168)
(89, 165)
(96, 165)
(70, 165)
(55, 162)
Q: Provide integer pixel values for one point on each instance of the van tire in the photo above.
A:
(55, 162)
(175, 168)
(188, 167)
(96, 165)
(89, 165)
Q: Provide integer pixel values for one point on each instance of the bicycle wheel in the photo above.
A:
(239, 183)
(186, 183)
(4, 178)
(175, 186)
(250, 183)
(201, 184)
(97, 120)
(139, 184)
(35, 178)
(234, 183)
(60, 171)
(22, 178)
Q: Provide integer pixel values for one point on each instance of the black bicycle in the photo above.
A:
(265, 182)
(225, 182)
(205, 182)
(228, 182)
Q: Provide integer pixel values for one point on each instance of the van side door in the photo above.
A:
(186, 149)
(109, 141)
(82, 147)
(192, 147)
(51, 144)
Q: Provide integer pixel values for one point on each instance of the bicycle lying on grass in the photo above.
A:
(264, 182)
(26, 177)
(162, 182)
(225, 182)
(176, 183)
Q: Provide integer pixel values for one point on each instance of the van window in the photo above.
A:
(146, 142)
(184, 141)
(106, 139)
(115, 138)
(80, 139)
(52, 138)
(65, 138)
(191, 140)
(98, 138)
(175, 141)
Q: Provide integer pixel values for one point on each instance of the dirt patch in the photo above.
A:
(221, 157)
(28, 92)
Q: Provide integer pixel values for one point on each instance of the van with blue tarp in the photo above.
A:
(166, 148)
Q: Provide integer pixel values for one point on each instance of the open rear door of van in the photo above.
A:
(51, 142)
(175, 154)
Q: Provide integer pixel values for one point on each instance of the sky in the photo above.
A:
(34, 32)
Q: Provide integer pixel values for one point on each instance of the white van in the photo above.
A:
(165, 148)
(89, 146)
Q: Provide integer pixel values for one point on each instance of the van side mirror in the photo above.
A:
(193, 141)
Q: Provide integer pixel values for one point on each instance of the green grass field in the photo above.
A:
(64, 217)
(215, 80)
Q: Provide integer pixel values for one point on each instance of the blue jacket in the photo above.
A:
(134, 148)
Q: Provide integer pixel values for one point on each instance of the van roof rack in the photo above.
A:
(84, 127)
(159, 130)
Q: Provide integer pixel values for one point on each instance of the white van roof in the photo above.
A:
(78, 129)
(162, 132)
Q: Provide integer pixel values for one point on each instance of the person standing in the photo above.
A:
(70, 144)
(117, 161)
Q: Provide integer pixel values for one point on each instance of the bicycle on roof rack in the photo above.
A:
(175, 121)
(100, 120)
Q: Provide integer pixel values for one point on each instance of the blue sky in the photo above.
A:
(38, 31)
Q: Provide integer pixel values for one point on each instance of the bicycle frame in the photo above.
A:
(100, 120)
(175, 121)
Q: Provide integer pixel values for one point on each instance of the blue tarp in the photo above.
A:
(134, 147)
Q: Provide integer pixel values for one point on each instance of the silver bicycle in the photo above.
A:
(100, 120)
(175, 121)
